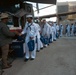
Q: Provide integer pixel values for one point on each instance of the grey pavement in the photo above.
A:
(57, 59)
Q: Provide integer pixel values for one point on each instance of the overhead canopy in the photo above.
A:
(56, 15)
(44, 1)
(7, 3)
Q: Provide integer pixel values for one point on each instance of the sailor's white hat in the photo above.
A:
(28, 16)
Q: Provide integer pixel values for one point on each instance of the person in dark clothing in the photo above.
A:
(6, 38)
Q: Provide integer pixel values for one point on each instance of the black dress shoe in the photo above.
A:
(25, 60)
(37, 51)
(6, 67)
(48, 44)
(41, 48)
(54, 40)
(32, 59)
(9, 65)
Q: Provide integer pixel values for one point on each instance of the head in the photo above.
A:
(71, 23)
(36, 21)
(43, 21)
(61, 24)
(56, 24)
(50, 24)
(4, 17)
(29, 18)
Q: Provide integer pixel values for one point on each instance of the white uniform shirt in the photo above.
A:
(72, 27)
(57, 27)
(51, 30)
(38, 30)
(46, 29)
(30, 30)
(68, 28)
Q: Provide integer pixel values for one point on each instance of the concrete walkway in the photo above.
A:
(57, 59)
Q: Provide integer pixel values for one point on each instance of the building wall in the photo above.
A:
(72, 7)
(67, 7)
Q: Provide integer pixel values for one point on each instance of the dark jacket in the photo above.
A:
(5, 34)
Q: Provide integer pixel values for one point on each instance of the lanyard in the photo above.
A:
(29, 26)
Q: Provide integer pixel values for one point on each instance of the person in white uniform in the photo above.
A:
(31, 32)
(39, 44)
(54, 24)
(53, 33)
(61, 30)
(46, 31)
(57, 31)
(72, 29)
(68, 30)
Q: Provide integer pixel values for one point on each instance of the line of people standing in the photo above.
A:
(36, 37)
(67, 30)
(70, 29)
(42, 35)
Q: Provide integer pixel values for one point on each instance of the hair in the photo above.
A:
(29, 17)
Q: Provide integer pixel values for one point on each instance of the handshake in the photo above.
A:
(17, 35)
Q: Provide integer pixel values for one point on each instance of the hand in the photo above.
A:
(31, 38)
(17, 33)
(24, 53)
(45, 34)
(40, 32)
(20, 34)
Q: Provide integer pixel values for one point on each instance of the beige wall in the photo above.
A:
(67, 7)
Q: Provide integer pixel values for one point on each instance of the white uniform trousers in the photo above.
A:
(30, 54)
(38, 44)
(61, 33)
(72, 33)
(41, 44)
(54, 36)
(68, 33)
